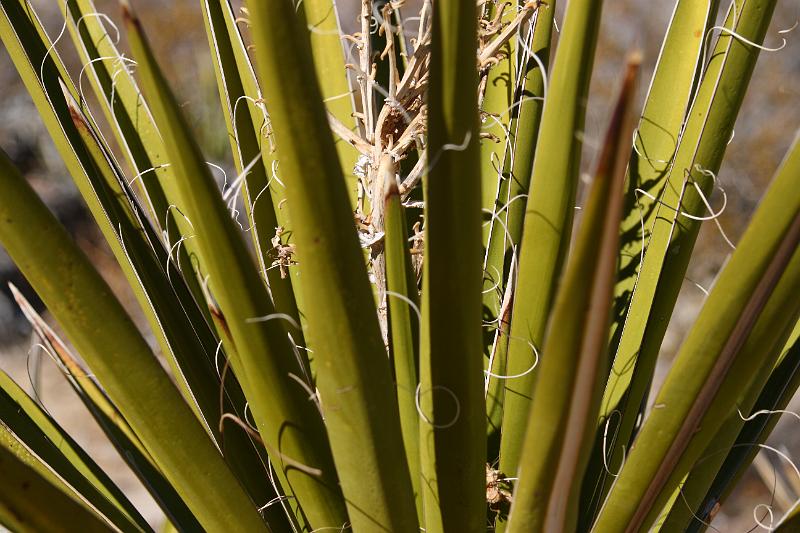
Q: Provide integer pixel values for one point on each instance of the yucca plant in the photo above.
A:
(413, 338)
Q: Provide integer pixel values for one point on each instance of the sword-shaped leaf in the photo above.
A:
(24, 490)
(674, 82)
(453, 425)
(734, 343)
(271, 375)
(175, 318)
(353, 372)
(404, 316)
(29, 432)
(678, 213)
(110, 420)
(77, 296)
(548, 217)
(575, 359)
(510, 203)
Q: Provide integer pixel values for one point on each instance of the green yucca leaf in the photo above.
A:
(110, 74)
(353, 373)
(758, 396)
(184, 336)
(240, 114)
(56, 100)
(31, 434)
(505, 113)
(324, 35)
(692, 498)
(452, 444)
(75, 374)
(570, 378)
(496, 371)
(288, 421)
(701, 146)
(245, 120)
(525, 120)
(497, 85)
(117, 354)
(669, 97)
(775, 396)
(248, 129)
(374, 405)
(512, 197)
(733, 345)
(261, 124)
(177, 323)
(24, 490)
(549, 214)
(110, 420)
(403, 304)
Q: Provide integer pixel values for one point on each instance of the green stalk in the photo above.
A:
(452, 433)
(734, 343)
(353, 372)
(118, 355)
(548, 219)
(571, 377)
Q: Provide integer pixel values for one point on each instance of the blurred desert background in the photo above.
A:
(767, 124)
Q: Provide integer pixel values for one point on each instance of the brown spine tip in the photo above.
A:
(387, 169)
(77, 118)
(128, 16)
(392, 189)
(619, 118)
(74, 109)
(635, 59)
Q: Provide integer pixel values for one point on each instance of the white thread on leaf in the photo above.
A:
(422, 415)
